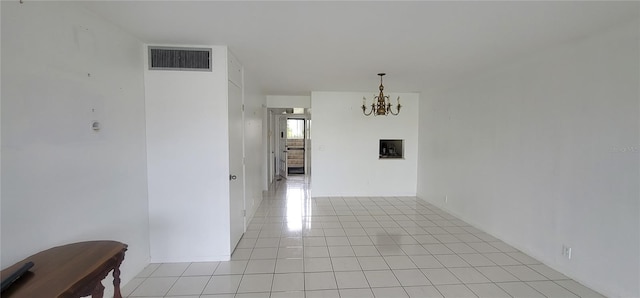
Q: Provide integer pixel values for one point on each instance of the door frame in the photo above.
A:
(282, 146)
(272, 164)
(305, 138)
(273, 135)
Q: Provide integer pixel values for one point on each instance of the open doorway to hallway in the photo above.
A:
(295, 146)
(289, 143)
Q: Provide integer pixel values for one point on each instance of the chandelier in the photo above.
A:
(381, 104)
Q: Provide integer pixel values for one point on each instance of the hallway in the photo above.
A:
(298, 246)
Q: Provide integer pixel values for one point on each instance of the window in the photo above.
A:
(295, 128)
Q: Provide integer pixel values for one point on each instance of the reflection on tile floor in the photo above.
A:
(298, 246)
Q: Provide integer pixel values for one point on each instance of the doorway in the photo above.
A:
(289, 142)
(295, 141)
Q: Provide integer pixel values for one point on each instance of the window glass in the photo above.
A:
(295, 128)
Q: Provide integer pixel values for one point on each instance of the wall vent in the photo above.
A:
(172, 58)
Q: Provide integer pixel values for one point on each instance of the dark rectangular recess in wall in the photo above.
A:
(391, 149)
(175, 58)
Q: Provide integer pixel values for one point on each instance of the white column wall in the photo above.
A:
(188, 162)
(543, 153)
(345, 155)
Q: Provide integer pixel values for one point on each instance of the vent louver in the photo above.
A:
(171, 58)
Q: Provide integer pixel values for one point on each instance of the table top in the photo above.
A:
(59, 271)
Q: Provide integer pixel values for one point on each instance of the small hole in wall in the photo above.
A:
(95, 126)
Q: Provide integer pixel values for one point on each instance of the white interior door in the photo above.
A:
(272, 147)
(282, 148)
(307, 147)
(236, 166)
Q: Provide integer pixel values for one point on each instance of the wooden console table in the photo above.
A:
(73, 270)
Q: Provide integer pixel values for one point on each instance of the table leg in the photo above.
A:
(116, 281)
(98, 291)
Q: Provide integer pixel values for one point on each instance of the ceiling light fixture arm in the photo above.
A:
(398, 106)
(364, 108)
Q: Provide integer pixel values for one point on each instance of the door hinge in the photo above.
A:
(244, 212)
(243, 108)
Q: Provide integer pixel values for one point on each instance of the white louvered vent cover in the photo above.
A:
(172, 58)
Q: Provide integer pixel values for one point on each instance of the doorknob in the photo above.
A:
(233, 177)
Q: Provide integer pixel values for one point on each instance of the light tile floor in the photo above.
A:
(298, 246)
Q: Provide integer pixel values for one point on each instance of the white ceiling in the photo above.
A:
(294, 47)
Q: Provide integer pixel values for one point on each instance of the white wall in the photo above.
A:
(288, 101)
(544, 152)
(254, 144)
(345, 146)
(62, 181)
(188, 162)
(266, 139)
